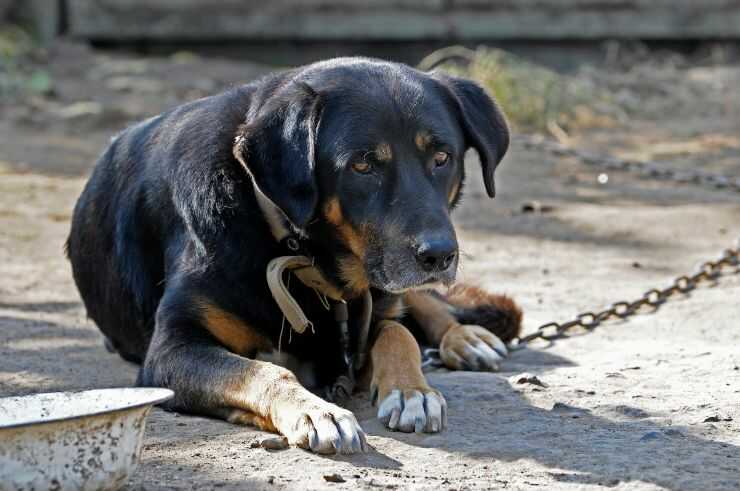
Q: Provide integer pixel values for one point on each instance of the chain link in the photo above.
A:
(643, 167)
(654, 298)
(706, 272)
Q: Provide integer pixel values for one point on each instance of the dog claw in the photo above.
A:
(472, 348)
(413, 411)
(323, 428)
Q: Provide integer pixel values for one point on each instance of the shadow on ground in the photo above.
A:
(496, 422)
(489, 421)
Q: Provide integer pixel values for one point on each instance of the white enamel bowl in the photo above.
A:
(86, 440)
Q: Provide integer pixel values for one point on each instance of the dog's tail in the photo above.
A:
(497, 313)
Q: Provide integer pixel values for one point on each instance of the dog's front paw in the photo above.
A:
(312, 423)
(414, 410)
(468, 347)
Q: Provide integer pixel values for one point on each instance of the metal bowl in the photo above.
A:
(73, 440)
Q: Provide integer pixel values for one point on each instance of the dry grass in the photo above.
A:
(535, 98)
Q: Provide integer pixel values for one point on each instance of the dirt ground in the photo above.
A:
(649, 403)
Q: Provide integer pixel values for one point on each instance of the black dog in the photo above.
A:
(355, 162)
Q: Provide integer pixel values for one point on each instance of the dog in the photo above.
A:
(354, 163)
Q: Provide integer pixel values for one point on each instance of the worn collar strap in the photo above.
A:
(304, 269)
(281, 226)
(293, 238)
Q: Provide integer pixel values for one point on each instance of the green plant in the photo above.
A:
(18, 73)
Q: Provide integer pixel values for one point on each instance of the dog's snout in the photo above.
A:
(436, 253)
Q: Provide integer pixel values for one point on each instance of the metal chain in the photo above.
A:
(654, 298)
(643, 167)
(705, 272)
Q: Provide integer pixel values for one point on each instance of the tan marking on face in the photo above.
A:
(333, 211)
(422, 140)
(355, 240)
(352, 271)
(383, 152)
(396, 361)
(231, 331)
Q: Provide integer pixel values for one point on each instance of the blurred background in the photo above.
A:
(556, 66)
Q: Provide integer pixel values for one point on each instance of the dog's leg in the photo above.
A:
(209, 379)
(469, 325)
(407, 402)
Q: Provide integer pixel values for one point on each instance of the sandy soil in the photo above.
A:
(650, 403)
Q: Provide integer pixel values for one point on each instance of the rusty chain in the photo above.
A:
(645, 168)
(706, 272)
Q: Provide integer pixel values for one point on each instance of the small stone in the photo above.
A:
(630, 411)
(581, 392)
(275, 443)
(672, 432)
(567, 410)
(536, 207)
(527, 378)
(254, 444)
(651, 435)
(333, 478)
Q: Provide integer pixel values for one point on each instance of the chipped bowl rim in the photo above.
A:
(144, 396)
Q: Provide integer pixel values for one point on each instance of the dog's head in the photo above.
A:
(366, 158)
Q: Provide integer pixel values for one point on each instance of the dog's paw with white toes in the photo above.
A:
(470, 347)
(314, 424)
(414, 411)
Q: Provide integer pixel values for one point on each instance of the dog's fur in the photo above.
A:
(364, 159)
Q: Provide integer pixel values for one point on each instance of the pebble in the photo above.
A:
(651, 435)
(527, 378)
(672, 432)
(536, 207)
(582, 392)
(630, 411)
(275, 443)
(657, 435)
(572, 411)
(333, 478)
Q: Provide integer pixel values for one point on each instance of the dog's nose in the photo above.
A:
(436, 254)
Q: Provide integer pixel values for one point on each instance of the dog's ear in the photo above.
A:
(276, 146)
(484, 124)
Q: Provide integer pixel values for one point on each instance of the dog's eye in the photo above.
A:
(361, 167)
(441, 159)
